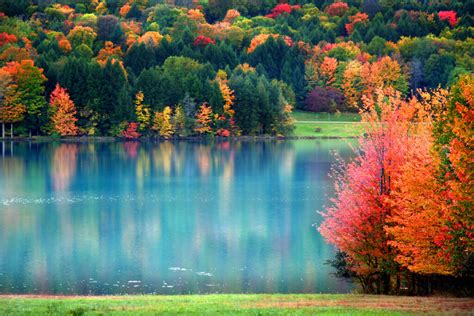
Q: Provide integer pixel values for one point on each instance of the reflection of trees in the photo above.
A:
(240, 210)
(131, 148)
(64, 165)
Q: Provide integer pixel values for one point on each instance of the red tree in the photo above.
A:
(202, 40)
(337, 9)
(281, 8)
(64, 120)
(131, 131)
(356, 222)
(450, 16)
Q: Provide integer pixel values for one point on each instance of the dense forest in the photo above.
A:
(217, 67)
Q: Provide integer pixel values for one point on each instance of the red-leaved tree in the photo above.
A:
(356, 222)
(64, 117)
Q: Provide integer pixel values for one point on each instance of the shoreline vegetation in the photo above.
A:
(268, 304)
(308, 125)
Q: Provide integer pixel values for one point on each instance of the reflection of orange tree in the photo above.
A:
(64, 165)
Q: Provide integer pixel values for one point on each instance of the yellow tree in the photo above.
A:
(142, 112)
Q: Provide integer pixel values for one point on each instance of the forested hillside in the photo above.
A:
(218, 67)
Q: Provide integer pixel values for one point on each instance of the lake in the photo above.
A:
(169, 217)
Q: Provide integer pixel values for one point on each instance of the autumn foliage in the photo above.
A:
(282, 8)
(398, 137)
(202, 40)
(131, 131)
(337, 8)
(450, 16)
(354, 20)
(64, 117)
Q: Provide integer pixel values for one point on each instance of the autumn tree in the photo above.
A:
(64, 117)
(162, 123)
(142, 111)
(226, 121)
(29, 85)
(131, 132)
(204, 118)
(454, 144)
(356, 222)
(11, 110)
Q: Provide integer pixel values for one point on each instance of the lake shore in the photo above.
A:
(274, 304)
(159, 139)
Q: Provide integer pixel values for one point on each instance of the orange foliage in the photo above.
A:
(204, 119)
(354, 20)
(383, 73)
(151, 39)
(64, 120)
(125, 9)
(262, 38)
(11, 111)
(231, 15)
(397, 133)
(196, 15)
(109, 51)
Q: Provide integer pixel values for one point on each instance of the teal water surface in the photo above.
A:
(169, 217)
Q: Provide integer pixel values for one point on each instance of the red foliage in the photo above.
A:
(202, 40)
(131, 131)
(354, 20)
(356, 222)
(282, 8)
(337, 9)
(450, 16)
(223, 132)
(6, 38)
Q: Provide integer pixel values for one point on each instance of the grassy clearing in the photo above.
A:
(328, 129)
(331, 117)
(262, 304)
(327, 125)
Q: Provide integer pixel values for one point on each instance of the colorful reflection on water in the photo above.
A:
(169, 217)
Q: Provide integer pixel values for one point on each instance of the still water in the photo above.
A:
(170, 217)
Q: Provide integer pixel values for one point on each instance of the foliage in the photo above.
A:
(64, 117)
(131, 131)
(204, 118)
(396, 130)
(103, 52)
(324, 100)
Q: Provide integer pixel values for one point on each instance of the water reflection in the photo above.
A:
(170, 217)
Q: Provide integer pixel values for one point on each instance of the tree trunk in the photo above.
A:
(11, 130)
(3, 130)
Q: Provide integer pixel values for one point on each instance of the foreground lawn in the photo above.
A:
(267, 304)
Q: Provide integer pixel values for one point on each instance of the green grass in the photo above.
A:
(310, 124)
(328, 129)
(299, 115)
(242, 304)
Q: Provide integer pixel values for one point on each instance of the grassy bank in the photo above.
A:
(234, 304)
(309, 124)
